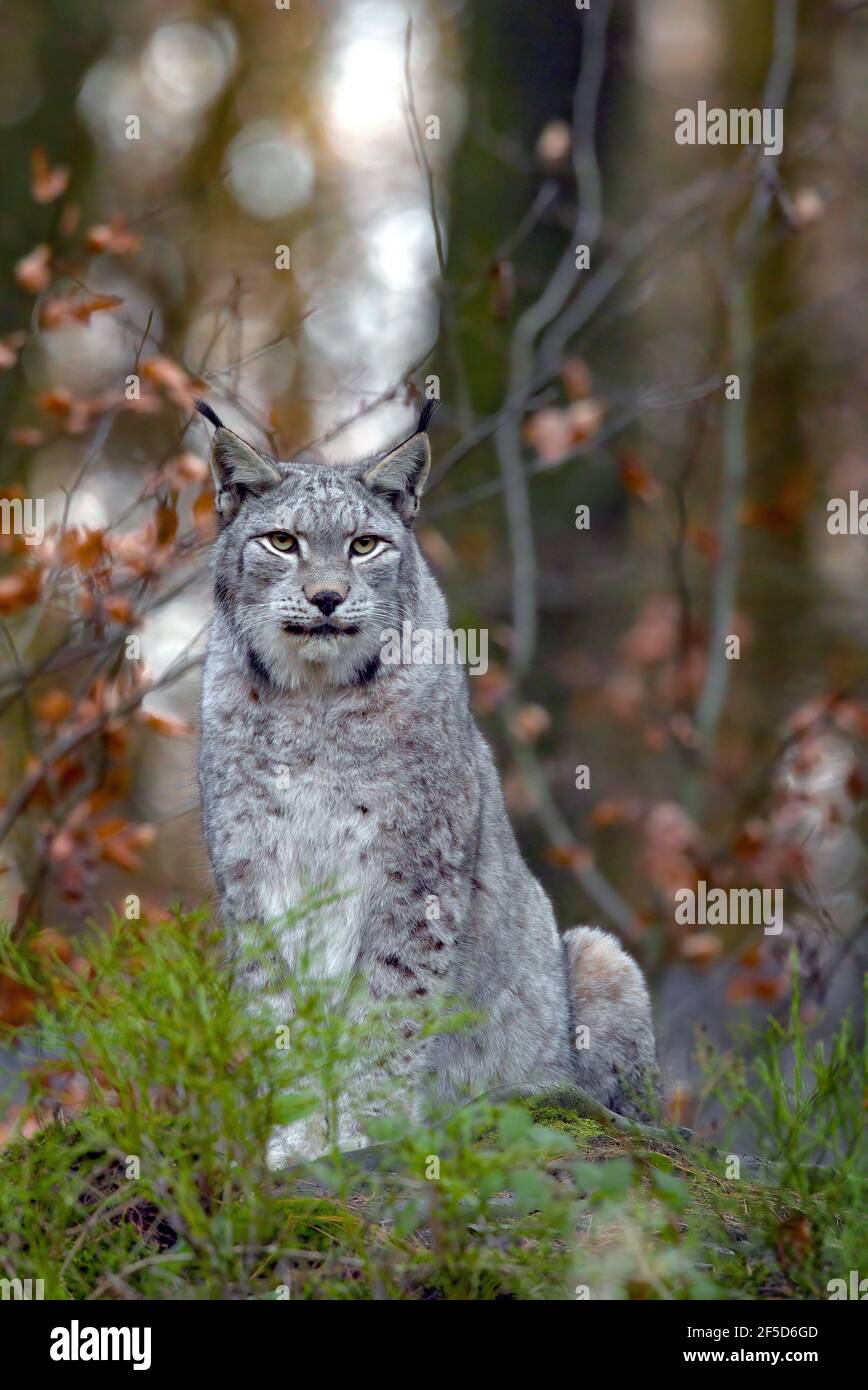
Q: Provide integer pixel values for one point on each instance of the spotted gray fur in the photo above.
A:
(322, 766)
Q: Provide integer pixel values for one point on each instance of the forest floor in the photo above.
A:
(135, 1165)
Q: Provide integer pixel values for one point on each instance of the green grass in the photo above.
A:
(805, 1103)
(154, 1183)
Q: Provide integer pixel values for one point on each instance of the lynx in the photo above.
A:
(322, 764)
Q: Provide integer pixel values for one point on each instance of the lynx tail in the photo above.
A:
(614, 1054)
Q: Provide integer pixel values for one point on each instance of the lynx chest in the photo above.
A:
(310, 813)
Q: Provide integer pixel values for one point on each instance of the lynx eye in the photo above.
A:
(363, 545)
(282, 540)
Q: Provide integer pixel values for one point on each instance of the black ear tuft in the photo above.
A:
(204, 409)
(427, 411)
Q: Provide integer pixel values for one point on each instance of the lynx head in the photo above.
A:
(314, 561)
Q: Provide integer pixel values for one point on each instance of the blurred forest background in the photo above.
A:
(314, 214)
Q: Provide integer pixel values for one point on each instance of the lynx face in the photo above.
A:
(313, 562)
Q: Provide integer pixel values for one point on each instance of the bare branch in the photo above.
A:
(736, 412)
(531, 322)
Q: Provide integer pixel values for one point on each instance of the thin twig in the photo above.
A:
(531, 323)
(736, 412)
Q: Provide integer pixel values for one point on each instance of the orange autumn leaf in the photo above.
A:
(549, 434)
(794, 1240)
(17, 1002)
(613, 810)
(116, 739)
(10, 346)
(705, 541)
(529, 722)
(84, 547)
(769, 988)
(553, 432)
(19, 590)
(120, 842)
(56, 313)
(46, 184)
(162, 371)
(120, 610)
(637, 479)
(585, 418)
(655, 633)
(490, 688)
(766, 515)
(27, 437)
(852, 717)
(166, 724)
(765, 989)
(32, 765)
(808, 207)
(32, 273)
(55, 402)
(781, 514)
(133, 549)
(701, 947)
(574, 857)
(204, 518)
(804, 716)
(65, 774)
(554, 142)
(166, 521)
(185, 468)
(54, 706)
(113, 237)
(97, 304)
(63, 847)
(49, 944)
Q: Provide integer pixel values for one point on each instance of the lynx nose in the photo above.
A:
(326, 600)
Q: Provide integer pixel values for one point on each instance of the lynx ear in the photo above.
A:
(402, 474)
(239, 470)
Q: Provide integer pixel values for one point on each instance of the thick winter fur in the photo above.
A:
(323, 766)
